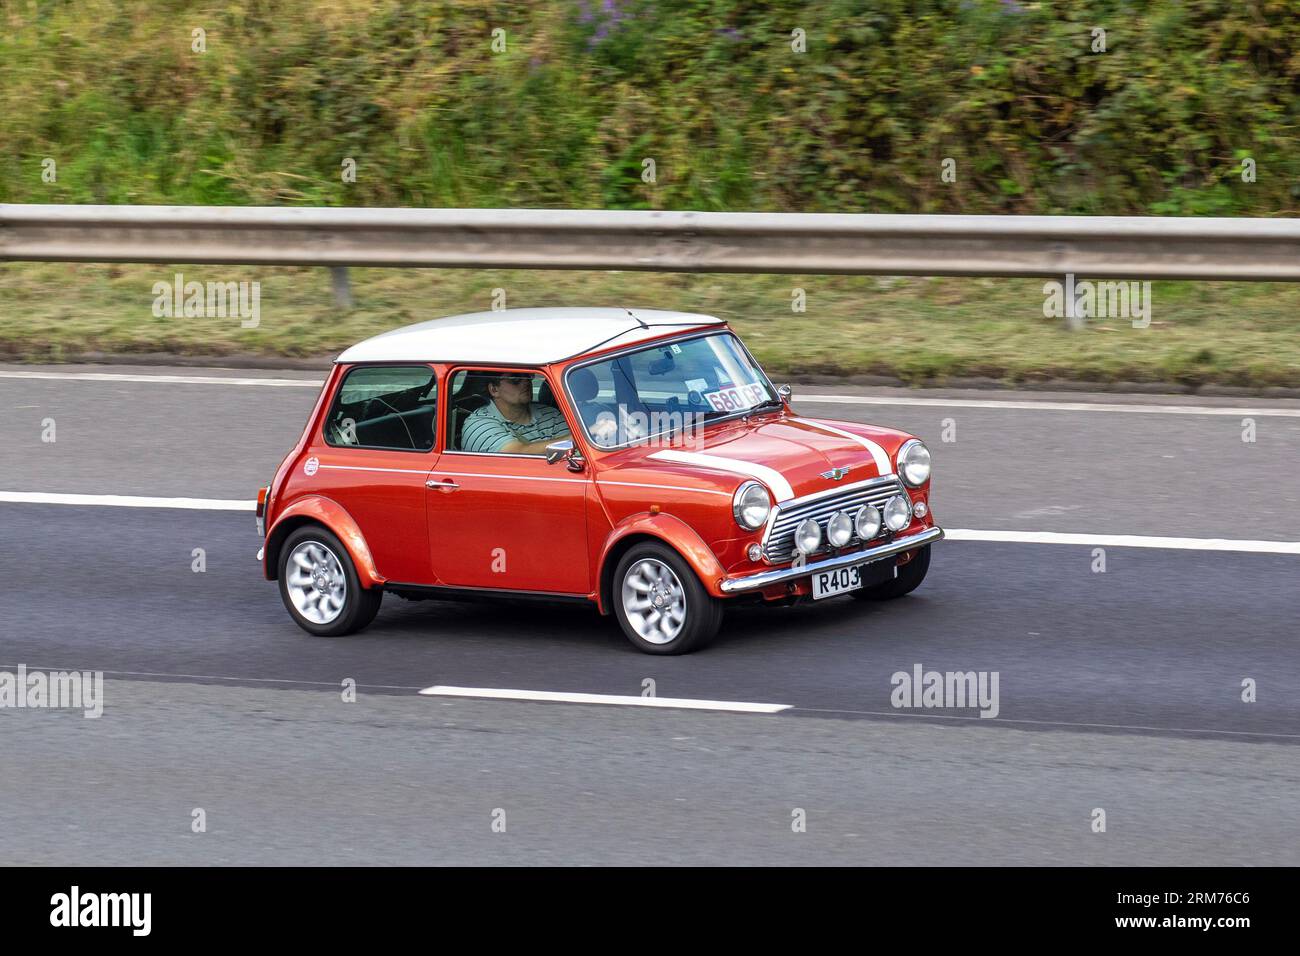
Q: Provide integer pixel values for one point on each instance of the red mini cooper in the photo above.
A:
(638, 460)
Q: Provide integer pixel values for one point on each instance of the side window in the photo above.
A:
(384, 406)
(502, 412)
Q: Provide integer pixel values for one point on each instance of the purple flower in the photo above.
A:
(608, 17)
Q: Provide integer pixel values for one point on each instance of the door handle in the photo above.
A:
(442, 484)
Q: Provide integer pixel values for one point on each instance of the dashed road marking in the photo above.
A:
(898, 400)
(1125, 541)
(163, 379)
(1140, 409)
(126, 501)
(951, 534)
(679, 703)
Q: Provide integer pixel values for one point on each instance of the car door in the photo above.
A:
(373, 454)
(500, 520)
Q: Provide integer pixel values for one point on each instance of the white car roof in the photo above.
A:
(520, 336)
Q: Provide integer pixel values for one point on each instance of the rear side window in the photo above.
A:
(384, 406)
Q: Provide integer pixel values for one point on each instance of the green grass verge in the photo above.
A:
(828, 105)
(920, 330)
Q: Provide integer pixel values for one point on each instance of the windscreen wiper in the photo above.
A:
(766, 403)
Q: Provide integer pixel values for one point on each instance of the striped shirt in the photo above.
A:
(487, 430)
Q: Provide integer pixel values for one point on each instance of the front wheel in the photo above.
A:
(909, 578)
(320, 587)
(660, 603)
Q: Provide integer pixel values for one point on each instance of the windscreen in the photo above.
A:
(666, 387)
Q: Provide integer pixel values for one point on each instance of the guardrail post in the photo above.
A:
(342, 286)
(1073, 320)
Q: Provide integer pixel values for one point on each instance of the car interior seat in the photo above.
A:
(473, 395)
(546, 395)
(584, 387)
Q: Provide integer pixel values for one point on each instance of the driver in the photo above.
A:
(510, 423)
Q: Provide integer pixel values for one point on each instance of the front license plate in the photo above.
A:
(830, 583)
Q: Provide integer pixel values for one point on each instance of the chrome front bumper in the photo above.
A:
(763, 579)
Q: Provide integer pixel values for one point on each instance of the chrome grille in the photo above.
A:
(778, 542)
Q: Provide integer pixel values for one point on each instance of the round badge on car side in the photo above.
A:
(310, 466)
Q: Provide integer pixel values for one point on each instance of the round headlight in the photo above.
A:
(808, 536)
(914, 463)
(898, 512)
(868, 522)
(839, 529)
(751, 505)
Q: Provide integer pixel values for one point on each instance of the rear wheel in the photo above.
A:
(660, 603)
(320, 586)
(910, 576)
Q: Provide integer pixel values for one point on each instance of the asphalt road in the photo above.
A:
(1119, 690)
(292, 777)
(1161, 640)
(1035, 469)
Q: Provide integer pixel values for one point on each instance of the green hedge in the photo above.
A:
(711, 91)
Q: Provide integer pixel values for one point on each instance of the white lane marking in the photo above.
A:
(824, 399)
(977, 721)
(1051, 406)
(683, 703)
(774, 479)
(951, 534)
(1125, 541)
(878, 455)
(165, 379)
(126, 501)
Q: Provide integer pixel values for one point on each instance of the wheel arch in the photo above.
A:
(661, 529)
(327, 514)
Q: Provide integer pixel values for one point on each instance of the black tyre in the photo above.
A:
(910, 576)
(320, 587)
(660, 603)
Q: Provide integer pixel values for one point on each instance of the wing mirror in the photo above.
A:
(564, 451)
(784, 391)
